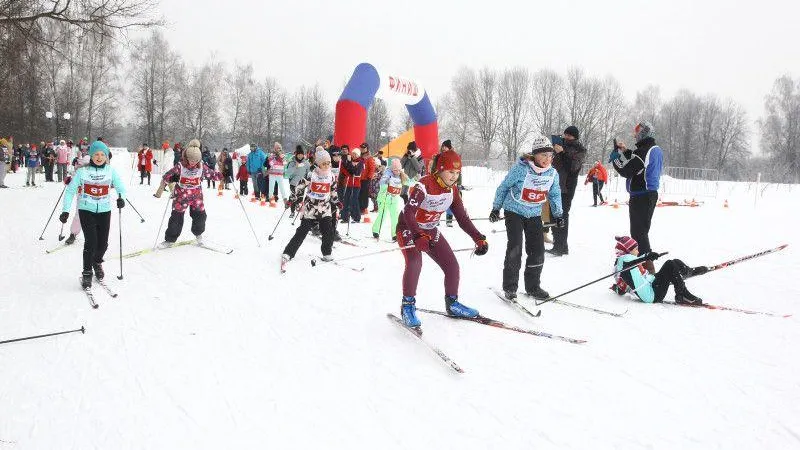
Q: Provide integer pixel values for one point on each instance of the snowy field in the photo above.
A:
(209, 351)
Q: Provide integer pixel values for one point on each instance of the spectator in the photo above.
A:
(296, 171)
(568, 161)
(275, 171)
(353, 167)
(33, 159)
(367, 176)
(145, 163)
(4, 158)
(226, 167)
(49, 161)
(642, 169)
(412, 167)
(242, 177)
(255, 162)
(598, 175)
(177, 153)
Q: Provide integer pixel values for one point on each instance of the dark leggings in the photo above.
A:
(175, 224)
(440, 252)
(95, 231)
(325, 227)
(671, 272)
(640, 213)
(531, 228)
(597, 191)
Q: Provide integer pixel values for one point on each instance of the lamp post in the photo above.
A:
(49, 115)
(66, 117)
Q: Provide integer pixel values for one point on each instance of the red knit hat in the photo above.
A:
(447, 161)
(625, 244)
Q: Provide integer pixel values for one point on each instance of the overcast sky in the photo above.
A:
(729, 48)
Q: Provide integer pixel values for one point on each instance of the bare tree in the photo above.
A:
(547, 93)
(515, 110)
(614, 112)
(378, 120)
(481, 94)
(780, 128)
(238, 86)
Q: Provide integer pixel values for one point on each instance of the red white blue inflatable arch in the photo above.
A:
(350, 123)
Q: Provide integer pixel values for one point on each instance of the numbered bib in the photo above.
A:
(395, 186)
(320, 187)
(190, 178)
(535, 188)
(432, 207)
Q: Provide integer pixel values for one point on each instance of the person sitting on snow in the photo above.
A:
(633, 278)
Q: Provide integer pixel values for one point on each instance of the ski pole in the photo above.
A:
(499, 231)
(41, 238)
(161, 225)
(61, 233)
(135, 210)
(248, 220)
(81, 329)
(120, 241)
(550, 299)
(270, 237)
(314, 261)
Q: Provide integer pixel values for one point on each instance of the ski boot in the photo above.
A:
(165, 245)
(376, 235)
(327, 258)
(538, 293)
(454, 308)
(86, 279)
(70, 239)
(98, 271)
(408, 312)
(687, 298)
(337, 237)
(694, 271)
(394, 238)
(510, 295)
(198, 240)
(291, 215)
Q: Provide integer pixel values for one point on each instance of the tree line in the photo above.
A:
(69, 58)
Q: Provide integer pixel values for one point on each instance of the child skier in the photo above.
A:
(188, 176)
(635, 279)
(242, 177)
(525, 188)
(428, 199)
(318, 207)
(275, 171)
(94, 208)
(391, 184)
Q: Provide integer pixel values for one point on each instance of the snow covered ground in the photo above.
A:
(208, 351)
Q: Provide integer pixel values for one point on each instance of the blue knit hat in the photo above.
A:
(99, 146)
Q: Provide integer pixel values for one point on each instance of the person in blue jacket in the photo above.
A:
(255, 164)
(525, 188)
(633, 278)
(642, 169)
(93, 185)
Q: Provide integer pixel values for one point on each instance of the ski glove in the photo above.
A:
(67, 179)
(422, 243)
(63, 217)
(494, 216)
(481, 246)
(560, 222)
(613, 156)
(340, 205)
(652, 256)
(120, 203)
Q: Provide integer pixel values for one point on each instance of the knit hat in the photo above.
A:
(447, 144)
(299, 150)
(625, 244)
(412, 145)
(447, 161)
(541, 144)
(364, 145)
(355, 153)
(98, 146)
(396, 165)
(572, 130)
(193, 153)
(321, 156)
(644, 130)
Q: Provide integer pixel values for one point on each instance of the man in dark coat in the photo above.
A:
(568, 161)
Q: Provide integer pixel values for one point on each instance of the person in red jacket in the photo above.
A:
(369, 174)
(598, 176)
(242, 177)
(145, 158)
(353, 168)
(417, 227)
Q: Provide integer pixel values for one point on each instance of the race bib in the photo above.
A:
(535, 188)
(320, 188)
(533, 196)
(427, 220)
(190, 182)
(97, 191)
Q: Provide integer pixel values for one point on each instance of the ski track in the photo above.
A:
(203, 350)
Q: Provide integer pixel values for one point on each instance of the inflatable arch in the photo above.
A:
(350, 122)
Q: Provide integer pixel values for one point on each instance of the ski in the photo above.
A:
(314, 262)
(730, 308)
(57, 248)
(584, 307)
(154, 249)
(744, 258)
(498, 324)
(516, 304)
(215, 248)
(105, 287)
(89, 294)
(418, 334)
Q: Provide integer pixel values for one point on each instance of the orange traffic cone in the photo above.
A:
(365, 216)
(272, 204)
(615, 205)
(253, 199)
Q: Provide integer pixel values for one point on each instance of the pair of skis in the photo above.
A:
(538, 313)
(203, 245)
(90, 294)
